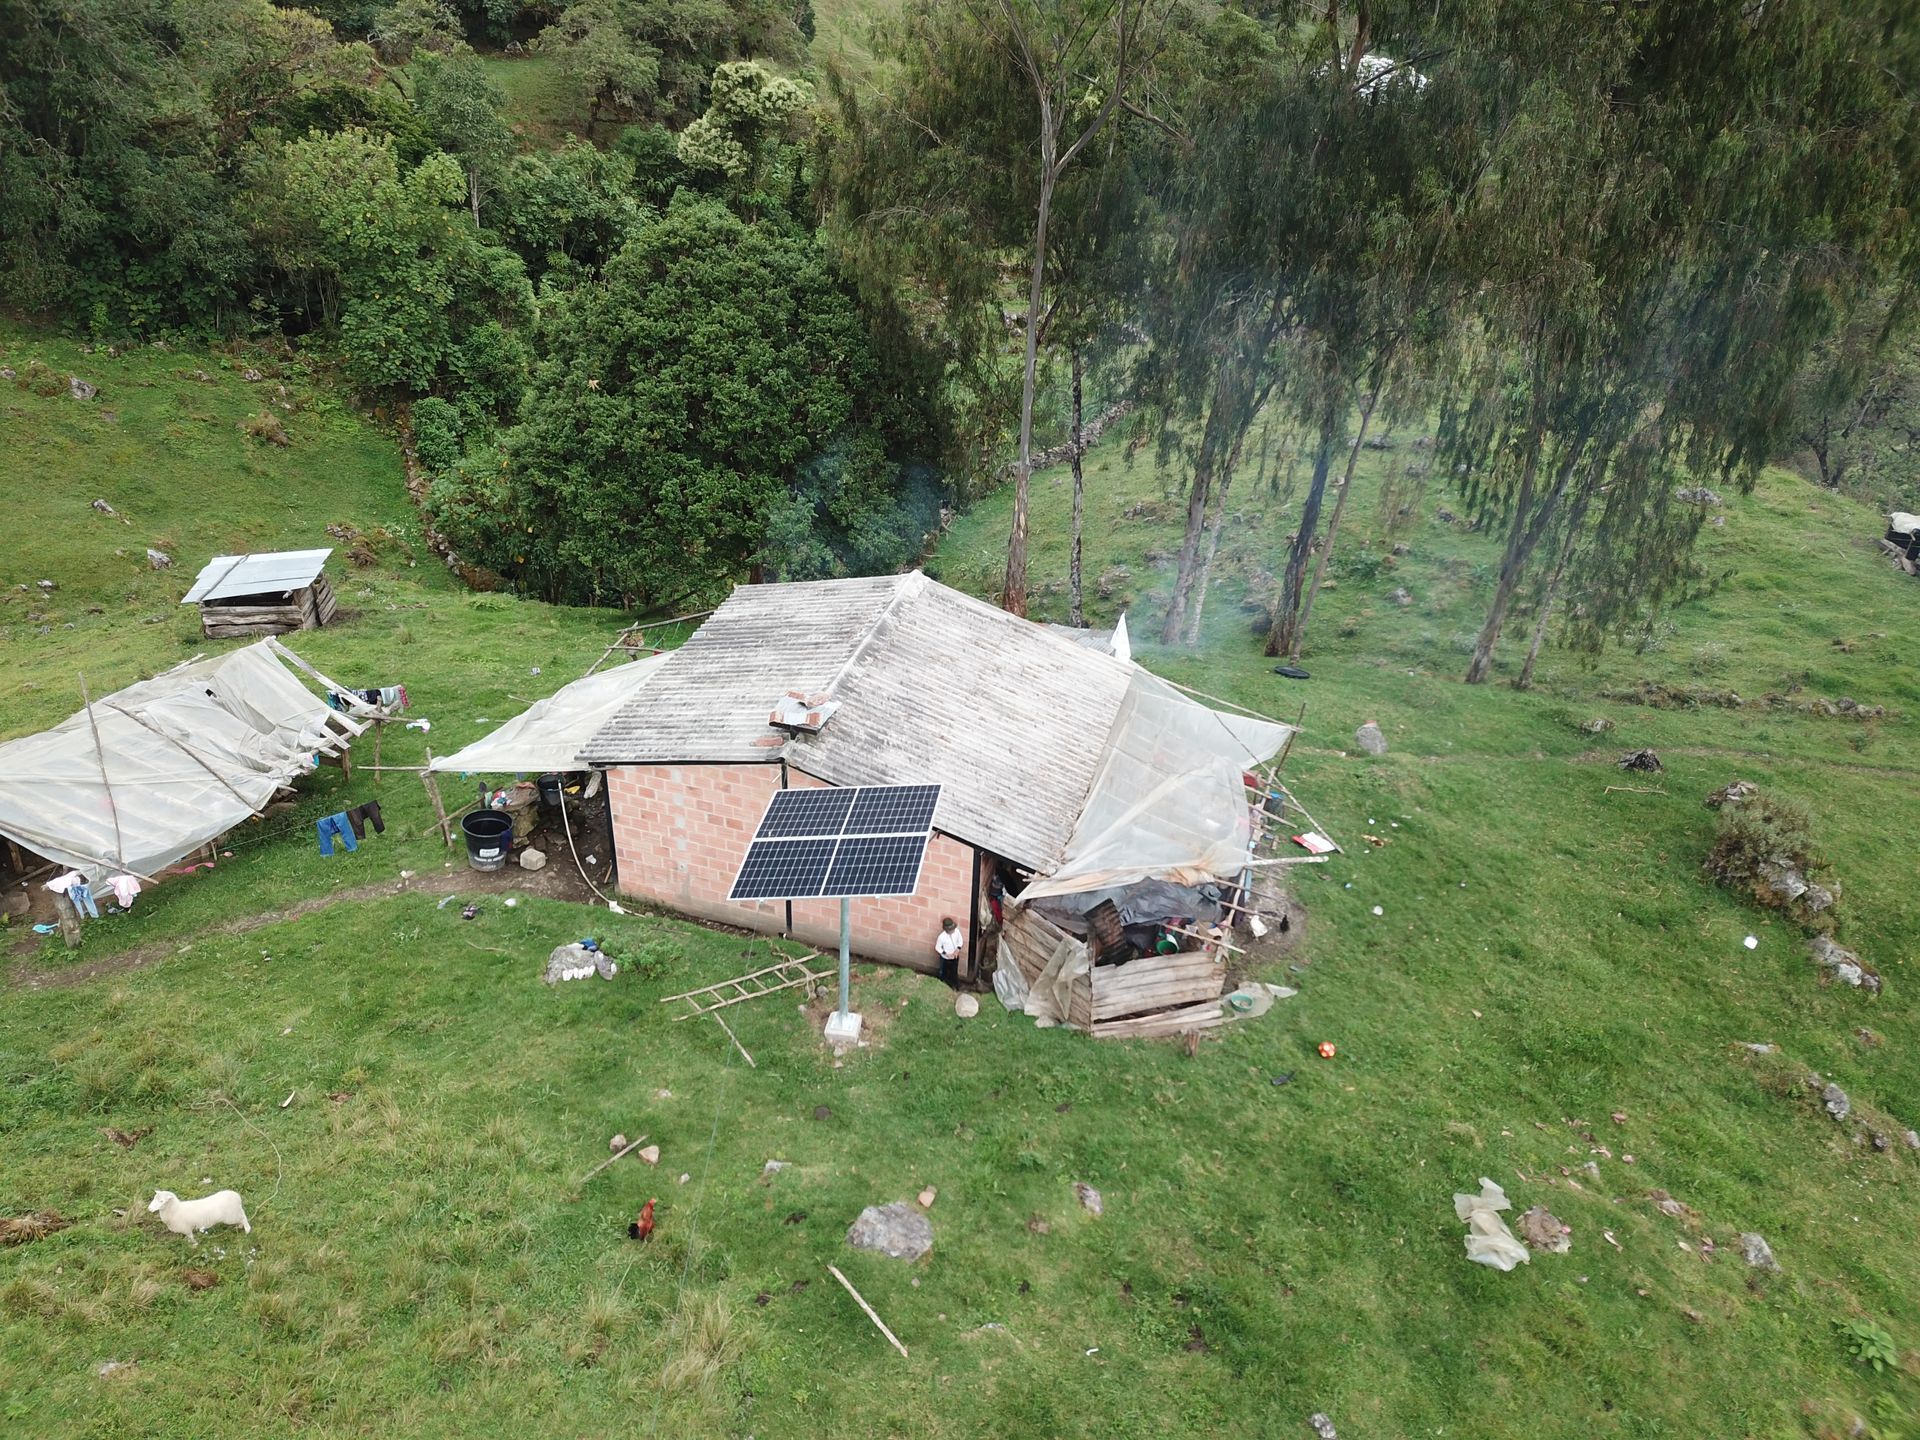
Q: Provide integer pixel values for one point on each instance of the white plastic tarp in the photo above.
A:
(187, 755)
(551, 733)
(1168, 801)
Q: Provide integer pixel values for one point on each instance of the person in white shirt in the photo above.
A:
(950, 942)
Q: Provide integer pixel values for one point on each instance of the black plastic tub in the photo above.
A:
(489, 839)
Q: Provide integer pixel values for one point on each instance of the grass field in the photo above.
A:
(425, 1261)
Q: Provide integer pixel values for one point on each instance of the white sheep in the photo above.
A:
(185, 1217)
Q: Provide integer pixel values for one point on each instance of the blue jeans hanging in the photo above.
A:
(82, 896)
(330, 826)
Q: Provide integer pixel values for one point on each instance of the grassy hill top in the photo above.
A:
(1548, 954)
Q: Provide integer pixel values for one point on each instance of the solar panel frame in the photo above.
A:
(877, 848)
(792, 814)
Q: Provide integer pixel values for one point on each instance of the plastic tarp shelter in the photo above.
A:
(550, 734)
(180, 760)
(1168, 801)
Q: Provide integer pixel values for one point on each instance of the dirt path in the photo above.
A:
(550, 884)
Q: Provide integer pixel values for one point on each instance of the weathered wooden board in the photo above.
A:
(1170, 1022)
(1155, 982)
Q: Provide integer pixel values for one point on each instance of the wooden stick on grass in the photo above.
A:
(860, 1300)
(635, 1145)
(736, 1040)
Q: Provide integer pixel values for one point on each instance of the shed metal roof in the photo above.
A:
(277, 572)
(935, 687)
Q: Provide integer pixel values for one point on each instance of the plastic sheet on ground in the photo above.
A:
(1168, 800)
(187, 756)
(550, 733)
(1489, 1241)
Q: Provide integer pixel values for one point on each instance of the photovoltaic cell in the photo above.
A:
(841, 842)
(783, 869)
(795, 813)
(893, 810)
(876, 865)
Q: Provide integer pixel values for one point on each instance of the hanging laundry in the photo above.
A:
(124, 888)
(60, 884)
(81, 894)
(332, 827)
(360, 816)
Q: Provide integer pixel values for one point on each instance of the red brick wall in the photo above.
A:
(679, 832)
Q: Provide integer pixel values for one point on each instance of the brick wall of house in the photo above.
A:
(680, 831)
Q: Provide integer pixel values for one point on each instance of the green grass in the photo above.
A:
(541, 105)
(424, 1261)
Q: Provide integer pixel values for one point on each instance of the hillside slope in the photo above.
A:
(1548, 955)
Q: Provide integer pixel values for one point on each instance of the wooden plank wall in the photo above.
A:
(306, 609)
(1155, 982)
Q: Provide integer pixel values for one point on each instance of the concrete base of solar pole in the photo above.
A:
(843, 1027)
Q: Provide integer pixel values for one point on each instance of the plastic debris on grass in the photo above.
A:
(1488, 1240)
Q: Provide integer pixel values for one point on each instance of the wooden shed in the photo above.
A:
(263, 594)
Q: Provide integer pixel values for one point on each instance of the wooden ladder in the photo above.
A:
(787, 975)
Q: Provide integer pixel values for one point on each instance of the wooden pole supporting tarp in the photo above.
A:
(99, 750)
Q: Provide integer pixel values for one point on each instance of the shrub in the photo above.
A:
(1764, 850)
(436, 434)
(267, 426)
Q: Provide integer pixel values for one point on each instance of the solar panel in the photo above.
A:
(806, 812)
(876, 865)
(893, 810)
(839, 842)
(783, 869)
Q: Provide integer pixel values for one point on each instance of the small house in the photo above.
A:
(1064, 770)
(263, 594)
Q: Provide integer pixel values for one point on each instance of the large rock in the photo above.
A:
(1369, 738)
(1836, 1102)
(80, 389)
(897, 1230)
(576, 962)
(1756, 1252)
(1843, 965)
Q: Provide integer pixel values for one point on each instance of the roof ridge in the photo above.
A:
(905, 590)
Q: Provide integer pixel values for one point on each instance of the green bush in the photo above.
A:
(436, 434)
(1764, 850)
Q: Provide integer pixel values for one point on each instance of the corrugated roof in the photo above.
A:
(274, 573)
(710, 700)
(935, 687)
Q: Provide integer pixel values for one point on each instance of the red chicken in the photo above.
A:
(642, 1229)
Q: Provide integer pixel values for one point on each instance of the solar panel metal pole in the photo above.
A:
(846, 947)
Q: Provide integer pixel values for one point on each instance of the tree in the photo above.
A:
(1654, 316)
(390, 261)
(652, 57)
(717, 371)
(1297, 293)
(568, 210)
(600, 49)
(1856, 406)
(743, 133)
(123, 130)
(462, 110)
(1080, 58)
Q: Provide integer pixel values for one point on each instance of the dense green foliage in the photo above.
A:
(245, 168)
(678, 411)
